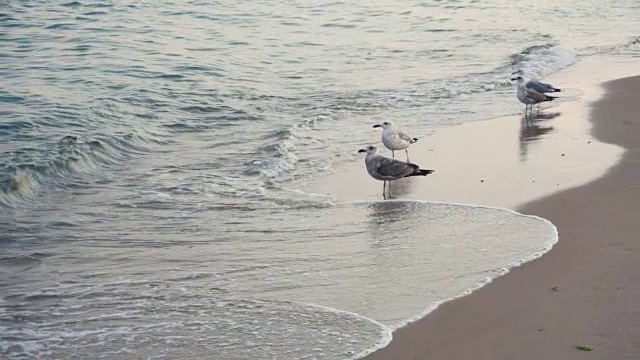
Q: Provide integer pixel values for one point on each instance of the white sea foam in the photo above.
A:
(550, 242)
(540, 61)
(544, 241)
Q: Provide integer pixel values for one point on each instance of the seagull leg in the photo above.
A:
(384, 194)
(407, 152)
(393, 154)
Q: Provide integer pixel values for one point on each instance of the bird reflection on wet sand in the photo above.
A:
(399, 188)
(383, 212)
(388, 218)
(531, 130)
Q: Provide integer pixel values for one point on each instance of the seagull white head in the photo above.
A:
(384, 125)
(518, 78)
(519, 72)
(370, 150)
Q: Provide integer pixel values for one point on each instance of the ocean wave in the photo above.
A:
(276, 158)
(151, 325)
(537, 61)
(26, 170)
(631, 47)
(230, 193)
(541, 60)
(22, 262)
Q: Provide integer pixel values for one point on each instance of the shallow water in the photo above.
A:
(194, 290)
(152, 156)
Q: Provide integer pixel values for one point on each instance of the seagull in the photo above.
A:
(529, 96)
(536, 85)
(386, 169)
(395, 139)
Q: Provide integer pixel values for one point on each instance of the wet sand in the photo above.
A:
(581, 161)
(503, 162)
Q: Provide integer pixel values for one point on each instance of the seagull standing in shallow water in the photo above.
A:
(385, 169)
(529, 96)
(395, 139)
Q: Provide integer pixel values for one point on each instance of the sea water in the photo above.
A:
(153, 156)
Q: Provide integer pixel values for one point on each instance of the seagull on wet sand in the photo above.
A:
(529, 96)
(385, 169)
(395, 139)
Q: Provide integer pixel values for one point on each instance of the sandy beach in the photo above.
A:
(576, 165)
(182, 180)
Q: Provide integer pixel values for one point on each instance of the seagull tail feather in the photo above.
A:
(421, 172)
(550, 98)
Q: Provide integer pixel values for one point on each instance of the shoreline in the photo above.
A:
(499, 162)
(561, 153)
(583, 292)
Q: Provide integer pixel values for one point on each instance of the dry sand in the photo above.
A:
(586, 177)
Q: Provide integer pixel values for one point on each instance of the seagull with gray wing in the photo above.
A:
(385, 169)
(529, 96)
(395, 139)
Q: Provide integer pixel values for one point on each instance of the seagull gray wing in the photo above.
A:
(406, 137)
(394, 168)
(540, 87)
(535, 95)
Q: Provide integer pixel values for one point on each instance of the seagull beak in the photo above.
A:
(514, 79)
(377, 125)
(362, 150)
